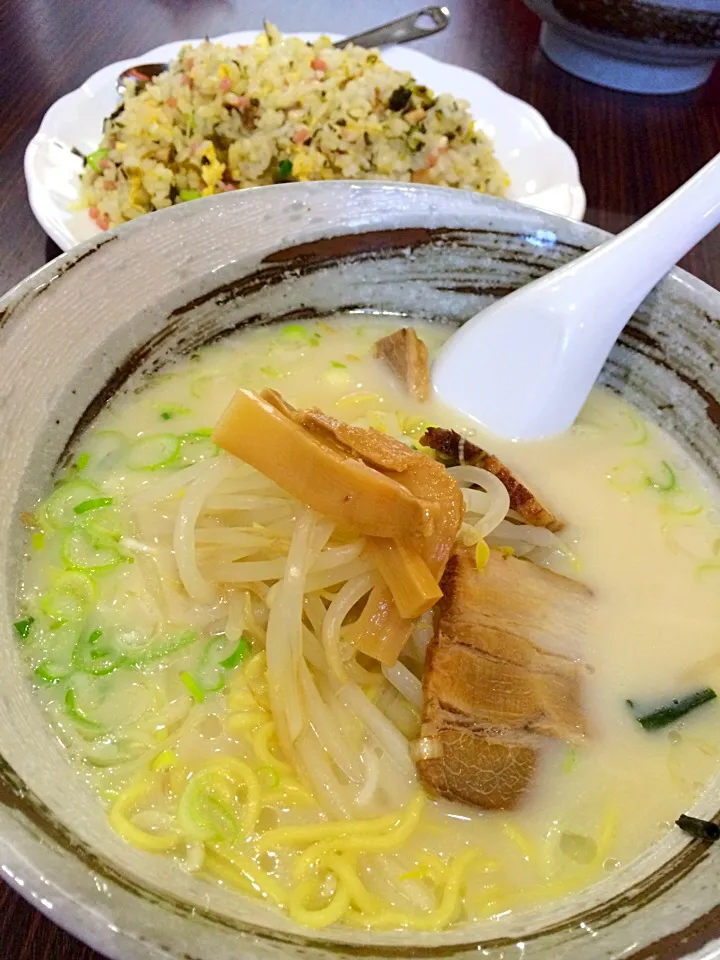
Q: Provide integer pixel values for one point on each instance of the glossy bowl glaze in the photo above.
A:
(94, 321)
(644, 46)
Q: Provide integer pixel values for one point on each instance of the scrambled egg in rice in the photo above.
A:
(223, 118)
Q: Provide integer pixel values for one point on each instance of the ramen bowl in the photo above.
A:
(94, 321)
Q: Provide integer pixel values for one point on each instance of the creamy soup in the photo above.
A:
(161, 567)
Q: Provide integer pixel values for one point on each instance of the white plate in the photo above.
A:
(542, 167)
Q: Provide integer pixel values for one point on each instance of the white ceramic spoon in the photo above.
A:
(524, 366)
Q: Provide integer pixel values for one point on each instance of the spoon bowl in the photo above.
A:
(524, 366)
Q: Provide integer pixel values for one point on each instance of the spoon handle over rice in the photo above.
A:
(401, 31)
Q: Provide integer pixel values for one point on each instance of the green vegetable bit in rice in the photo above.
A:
(280, 109)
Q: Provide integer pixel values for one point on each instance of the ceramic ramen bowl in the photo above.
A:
(644, 46)
(94, 320)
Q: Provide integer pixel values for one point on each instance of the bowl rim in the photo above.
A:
(77, 917)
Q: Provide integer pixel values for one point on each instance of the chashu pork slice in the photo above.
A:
(407, 356)
(502, 676)
(453, 449)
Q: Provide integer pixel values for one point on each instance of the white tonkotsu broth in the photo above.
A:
(160, 568)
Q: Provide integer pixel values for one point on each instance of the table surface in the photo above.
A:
(632, 151)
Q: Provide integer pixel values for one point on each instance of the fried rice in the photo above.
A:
(222, 118)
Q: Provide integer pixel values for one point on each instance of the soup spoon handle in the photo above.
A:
(414, 26)
(524, 366)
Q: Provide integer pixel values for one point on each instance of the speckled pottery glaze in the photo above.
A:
(93, 322)
(644, 46)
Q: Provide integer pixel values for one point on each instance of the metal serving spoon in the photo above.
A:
(524, 366)
(411, 27)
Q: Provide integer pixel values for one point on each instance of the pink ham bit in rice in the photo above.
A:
(301, 135)
(317, 63)
(171, 102)
(93, 212)
(434, 156)
(225, 84)
(109, 185)
(103, 222)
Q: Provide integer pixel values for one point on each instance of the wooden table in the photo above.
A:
(632, 150)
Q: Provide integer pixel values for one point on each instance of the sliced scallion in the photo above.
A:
(76, 713)
(93, 504)
(60, 506)
(673, 711)
(238, 655)
(193, 687)
(81, 550)
(153, 452)
(93, 160)
(163, 649)
(95, 655)
(22, 627)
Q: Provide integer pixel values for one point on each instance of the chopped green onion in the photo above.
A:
(338, 365)
(108, 449)
(75, 713)
(186, 195)
(153, 452)
(45, 674)
(285, 169)
(38, 541)
(87, 505)
(70, 597)
(675, 710)
(295, 331)
(238, 654)
(173, 410)
(96, 658)
(160, 651)
(93, 160)
(270, 372)
(81, 550)
(60, 505)
(22, 627)
(82, 461)
(667, 480)
(206, 810)
(197, 446)
(194, 689)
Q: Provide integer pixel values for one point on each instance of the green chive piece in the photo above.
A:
(87, 505)
(22, 627)
(270, 372)
(285, 169)
(295, 331)
(338, 365)
(38, 541)
(82, 461)
(186, 195)
(171, 410)
(194, 688)
(75, 713)
(238, 654)
(94, 159)
(675, 710)
(44, 674)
